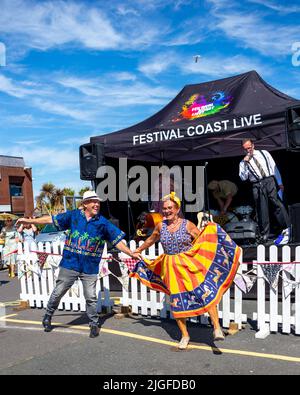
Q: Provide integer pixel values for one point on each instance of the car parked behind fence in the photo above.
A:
(50, 234)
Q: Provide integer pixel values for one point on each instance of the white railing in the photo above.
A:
(271, 309)
(37, 286)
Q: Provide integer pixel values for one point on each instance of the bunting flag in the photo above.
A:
(271, 274)
(130, 263)
(21, 269)
(27, 264)
(52, 262)
(28, 268)
(290, 268)
(123, 279)
(36, 262)
(288, 285)
(245, 282)
(42, 257)
(103, 270)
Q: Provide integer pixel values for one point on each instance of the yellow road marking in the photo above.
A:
(13, 303)
(165, 342)
(4, 318)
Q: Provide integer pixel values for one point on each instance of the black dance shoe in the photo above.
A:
(47, 323)
(94, 330)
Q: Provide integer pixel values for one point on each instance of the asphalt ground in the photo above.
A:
(133, 345)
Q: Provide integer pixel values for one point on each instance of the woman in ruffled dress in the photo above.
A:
(196, 269)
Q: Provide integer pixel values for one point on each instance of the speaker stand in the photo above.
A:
(129, 213)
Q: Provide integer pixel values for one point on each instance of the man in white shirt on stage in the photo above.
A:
(259, 168)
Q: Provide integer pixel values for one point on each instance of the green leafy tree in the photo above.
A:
(51, 199)
(69, 193)
(82, 190)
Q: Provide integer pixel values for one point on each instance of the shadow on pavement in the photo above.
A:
(199, 335)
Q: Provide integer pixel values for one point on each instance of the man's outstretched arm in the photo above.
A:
(47, 219)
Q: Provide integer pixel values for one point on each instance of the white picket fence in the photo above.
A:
(37, 287)
(273, 311)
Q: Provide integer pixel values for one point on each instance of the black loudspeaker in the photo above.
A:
(294, 212)
(242, 232)
(91, 156)
(293, 126)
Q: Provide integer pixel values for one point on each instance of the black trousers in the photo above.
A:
(265, 191)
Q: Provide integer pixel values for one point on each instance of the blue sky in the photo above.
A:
(76, 69)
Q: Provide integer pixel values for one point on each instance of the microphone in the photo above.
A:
(248, 156)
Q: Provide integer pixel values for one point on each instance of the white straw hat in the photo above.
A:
(90, 195)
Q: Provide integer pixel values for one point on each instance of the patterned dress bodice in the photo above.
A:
(175, 242)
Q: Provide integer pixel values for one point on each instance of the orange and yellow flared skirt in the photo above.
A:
(196, 279)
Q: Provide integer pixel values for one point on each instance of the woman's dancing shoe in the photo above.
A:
(183, 343)
(218, 334)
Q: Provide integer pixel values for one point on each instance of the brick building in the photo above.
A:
(16, 194)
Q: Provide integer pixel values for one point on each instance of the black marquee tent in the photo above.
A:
(206, 121)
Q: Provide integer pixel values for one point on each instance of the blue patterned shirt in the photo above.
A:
(85, 240)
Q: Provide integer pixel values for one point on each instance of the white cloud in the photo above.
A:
(105, 93)
(253, 31)
(56, 24)
(76, 141)
(282, 9)
(44, 25)
(212, 66)
(122, 76)
(48, 160)
(25, 143)
(24, 120)
(124, 10)
(54, 107)
(22, 89)
(158, 63)
(92, 101)
(85, 86)
(217, 66)
(13, 89)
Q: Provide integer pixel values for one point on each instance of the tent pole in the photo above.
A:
(129, 212)
(206, 195)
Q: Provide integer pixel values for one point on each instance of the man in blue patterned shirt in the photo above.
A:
(87, 233)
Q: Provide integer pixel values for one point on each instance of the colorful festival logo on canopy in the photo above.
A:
(199, 106)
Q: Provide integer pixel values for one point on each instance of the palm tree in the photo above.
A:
(44, 199)
(50, 199)
(57, 200)
(82, 190)
(69, 192)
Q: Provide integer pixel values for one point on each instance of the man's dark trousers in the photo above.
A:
(263, 192)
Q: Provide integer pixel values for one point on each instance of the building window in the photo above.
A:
(16, 189)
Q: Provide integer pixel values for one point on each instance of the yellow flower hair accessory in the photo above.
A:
(172, 196)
